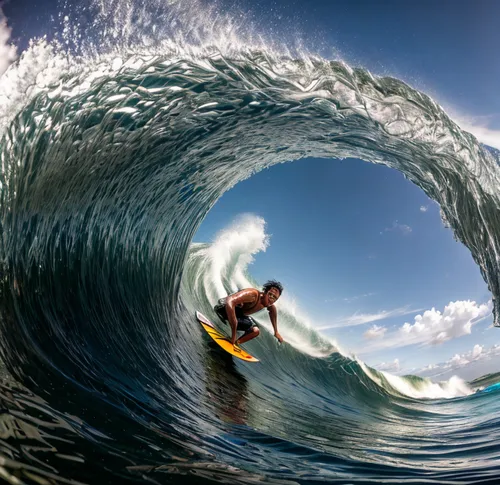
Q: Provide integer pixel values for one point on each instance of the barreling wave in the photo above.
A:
(113, 154)
(221, 268)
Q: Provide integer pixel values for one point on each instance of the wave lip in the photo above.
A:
(164, 123)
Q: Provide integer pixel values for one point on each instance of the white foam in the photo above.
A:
(226, 268)
(38, 68)
(233, 250)
(422, 389)
(8, 51)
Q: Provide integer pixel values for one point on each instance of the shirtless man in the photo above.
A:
(237, 307)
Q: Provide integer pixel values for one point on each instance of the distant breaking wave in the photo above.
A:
(113, 151)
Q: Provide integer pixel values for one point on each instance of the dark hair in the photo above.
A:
(272, 284)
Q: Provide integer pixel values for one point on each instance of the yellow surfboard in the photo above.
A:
(222, 340)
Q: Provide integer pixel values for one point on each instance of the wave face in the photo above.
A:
(111, 158)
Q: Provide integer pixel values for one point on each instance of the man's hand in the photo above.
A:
(279, 337)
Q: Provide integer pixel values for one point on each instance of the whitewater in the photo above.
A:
(117, 137)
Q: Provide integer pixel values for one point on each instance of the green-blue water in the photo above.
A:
(111, 157)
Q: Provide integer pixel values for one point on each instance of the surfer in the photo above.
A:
(237, 307)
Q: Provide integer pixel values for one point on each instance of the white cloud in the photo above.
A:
(478, 353)
(375, 332)
(424, 208)
(457, 361)
(349, 299)
(389, 366)
(354, 298)
(479, 126)
(397, 227)
(481, 132)
(363, 318)
(8, 53)
(433, 327)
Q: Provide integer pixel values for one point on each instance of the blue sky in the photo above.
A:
(359, 247)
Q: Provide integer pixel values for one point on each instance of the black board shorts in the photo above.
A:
(245, 323)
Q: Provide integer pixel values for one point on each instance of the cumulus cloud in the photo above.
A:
(397, 227)
(477, 353)
(389, 366)
(434, 327)
(424, 208)
(457, 361)
(8, 52)
(375, 332)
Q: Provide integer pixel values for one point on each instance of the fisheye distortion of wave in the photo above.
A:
(181, 302)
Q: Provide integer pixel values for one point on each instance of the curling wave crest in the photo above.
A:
(112, 154)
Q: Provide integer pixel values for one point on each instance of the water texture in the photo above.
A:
(114, 146)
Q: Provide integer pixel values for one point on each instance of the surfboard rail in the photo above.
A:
(223, 341)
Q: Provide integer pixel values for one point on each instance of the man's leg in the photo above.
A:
(220, 309)
(252, 333)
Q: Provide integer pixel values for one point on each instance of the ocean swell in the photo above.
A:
(125, 167)
(110, 162)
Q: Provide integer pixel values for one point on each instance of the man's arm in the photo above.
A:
(249, 295)
(273, 315)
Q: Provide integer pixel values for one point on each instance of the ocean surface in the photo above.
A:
(118, 134)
